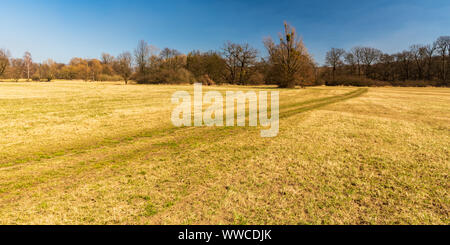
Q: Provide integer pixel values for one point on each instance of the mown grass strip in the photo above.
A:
(314, 104)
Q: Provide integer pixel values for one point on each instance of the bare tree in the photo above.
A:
(404, 59)
(358, 54)
(429, 52)
(350, 59)
(334, 59)
(239, 58)
(168, 53)
(4, 60)
(107, 59)
(124, 66)
(230, 52)
(289, 58)
(387, 66)
(28, 63)
(419, 53)
(247, 57)
(142, 56)
(172, 59)
(443, 46)
(369, 57)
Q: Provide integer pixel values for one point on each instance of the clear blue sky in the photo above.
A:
(62, 29)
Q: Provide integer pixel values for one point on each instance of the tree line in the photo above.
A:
(420, 65)
(287, 65)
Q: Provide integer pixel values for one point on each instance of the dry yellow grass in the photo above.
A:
(105, 153)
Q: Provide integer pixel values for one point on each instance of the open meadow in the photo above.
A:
(106, 153)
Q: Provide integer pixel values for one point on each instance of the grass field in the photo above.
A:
(106, 153)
